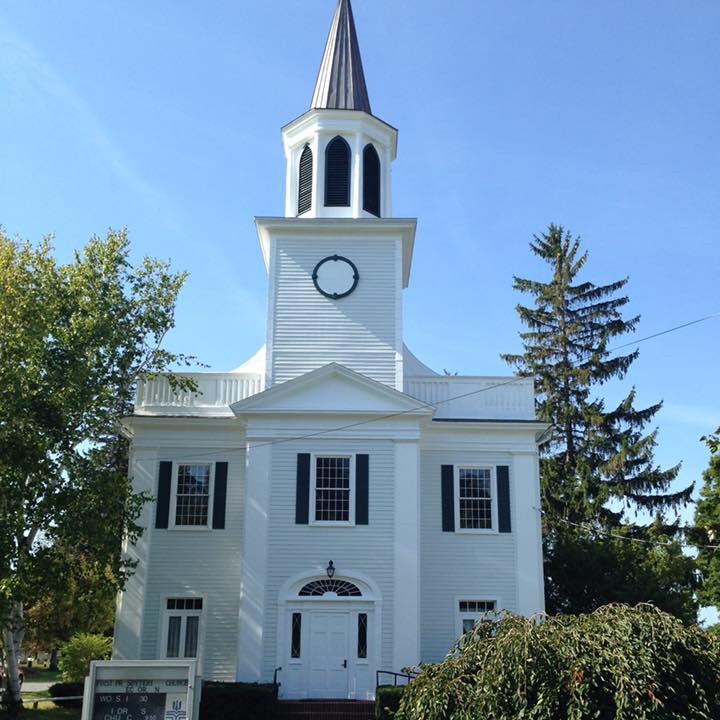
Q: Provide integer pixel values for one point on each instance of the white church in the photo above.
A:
(332, 507)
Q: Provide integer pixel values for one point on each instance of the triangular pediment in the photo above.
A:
(334, 390)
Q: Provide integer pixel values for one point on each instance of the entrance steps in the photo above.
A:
(326, 710)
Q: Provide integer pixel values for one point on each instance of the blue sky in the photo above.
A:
(164, 117)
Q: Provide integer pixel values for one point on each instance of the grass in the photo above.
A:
(40, 674)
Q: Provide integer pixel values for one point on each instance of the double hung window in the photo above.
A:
(332, 497)
(193, 489)
(182, 627)
(470, 611)
(475, 498)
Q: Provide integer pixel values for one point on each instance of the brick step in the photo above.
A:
(326, 709)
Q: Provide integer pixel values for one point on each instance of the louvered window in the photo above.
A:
(371, 181)
(305, 181)
(337, 173)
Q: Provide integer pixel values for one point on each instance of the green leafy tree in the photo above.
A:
(706, 530)
(79, 652)
(74, 338)
(620, 662)
(598, 461)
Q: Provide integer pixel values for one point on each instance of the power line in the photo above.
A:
(348, 426)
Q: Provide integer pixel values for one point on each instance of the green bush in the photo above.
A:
(238, 701)
(387, 701)
(77, 653)
(618, 663)
(73, 689)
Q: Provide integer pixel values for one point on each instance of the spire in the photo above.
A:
(341, 82)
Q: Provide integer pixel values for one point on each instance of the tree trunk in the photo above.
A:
(12, 637)
(53, 660)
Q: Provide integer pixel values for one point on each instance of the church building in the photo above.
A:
(333, 507)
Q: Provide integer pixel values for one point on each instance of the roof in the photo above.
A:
(340, 83)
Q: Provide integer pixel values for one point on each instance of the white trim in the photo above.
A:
(493, 530)
(350, 522)
(172, 525)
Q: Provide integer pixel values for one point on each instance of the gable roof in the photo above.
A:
(332, 390)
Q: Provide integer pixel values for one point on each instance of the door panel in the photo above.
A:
(328, 655)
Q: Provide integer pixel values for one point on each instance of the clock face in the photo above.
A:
(335, 276)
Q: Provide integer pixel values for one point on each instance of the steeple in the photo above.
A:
(341, 82)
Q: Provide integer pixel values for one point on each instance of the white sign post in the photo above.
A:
(142, 690)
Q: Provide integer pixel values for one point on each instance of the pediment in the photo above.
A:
(334, 390)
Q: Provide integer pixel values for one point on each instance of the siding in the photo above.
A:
(365, 548)
(358, 331)
(453, 564)
(200, 562)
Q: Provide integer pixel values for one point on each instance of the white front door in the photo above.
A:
(328, 655)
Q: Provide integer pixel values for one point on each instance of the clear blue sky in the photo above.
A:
(164, 117)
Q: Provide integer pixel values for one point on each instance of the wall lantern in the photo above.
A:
(330, 570)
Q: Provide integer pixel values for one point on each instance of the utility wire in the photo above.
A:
(348, 426)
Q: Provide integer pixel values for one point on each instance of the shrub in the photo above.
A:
(77, 653)
(237, 701)
(73, 689)
(618, 663)
(387, 701)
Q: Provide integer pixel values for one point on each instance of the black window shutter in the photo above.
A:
(337, 173)
(302, 491)
(305, 181)
(220, 495)
(162, 507)
(503, 490)
(371, 181)
(448, 498)
(361, 489)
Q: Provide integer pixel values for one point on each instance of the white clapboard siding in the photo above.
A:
(365, 548)
(200, 562)
(476, 566)
(358, 331)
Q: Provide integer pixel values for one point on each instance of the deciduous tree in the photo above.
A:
(74, 338)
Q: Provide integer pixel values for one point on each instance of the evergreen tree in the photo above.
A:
(597, 461)
(707, 526)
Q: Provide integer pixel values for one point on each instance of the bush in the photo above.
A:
(62, 689)
(77, 653)
(387, 701)
(617, 663)
(238, 701)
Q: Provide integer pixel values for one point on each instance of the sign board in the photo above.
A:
(142, 690)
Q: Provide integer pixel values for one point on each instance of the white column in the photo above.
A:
(130, 608)
(406, 599)
(318, 176)
(255, 547)
(355, 197)
(528, 534)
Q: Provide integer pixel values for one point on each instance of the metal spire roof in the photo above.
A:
(341, 82)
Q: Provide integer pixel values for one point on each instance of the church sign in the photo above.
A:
(141, 690)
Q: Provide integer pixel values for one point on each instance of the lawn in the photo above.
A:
(40, 674)
(48, 711)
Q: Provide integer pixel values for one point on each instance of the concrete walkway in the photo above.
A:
(30, 686)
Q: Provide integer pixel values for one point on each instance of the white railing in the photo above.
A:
(215, 392)
(483, 398)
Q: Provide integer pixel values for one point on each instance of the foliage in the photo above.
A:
(74, 338)
(706, 530)
(598, 461)
(77, 653)
(589, 569)
(618, 663)
(387, 701)
(67, 689)
(242, 701)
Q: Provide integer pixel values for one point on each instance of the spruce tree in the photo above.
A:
(597, 461)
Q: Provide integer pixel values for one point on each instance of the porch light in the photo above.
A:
(330, 570)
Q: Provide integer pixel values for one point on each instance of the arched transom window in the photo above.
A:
(337, 173)
(341, 588)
